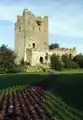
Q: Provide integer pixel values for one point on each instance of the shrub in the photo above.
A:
(71, 64)
(75, 65)
(24, 64)
(64, 58)
(56, 63)
(79, 60)
(16, 69)
(68, 62)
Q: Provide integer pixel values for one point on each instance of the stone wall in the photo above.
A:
(36, 31)
(62, 51)
(36, 56)
(58, 51)
(19, 38)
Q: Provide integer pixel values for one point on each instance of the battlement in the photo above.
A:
(27, 12)
(28, 16)
(62, 51)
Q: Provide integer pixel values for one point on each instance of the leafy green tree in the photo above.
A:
(71, 64)
(79, 60)
(7, 59)
(53, 46)
(68, 62)
(56, 64)
(65, 58)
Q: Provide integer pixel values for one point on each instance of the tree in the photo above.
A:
(68, 62)
(79, 60)
(7, 59)
(56, 64)
(64, 58)
(53, 46)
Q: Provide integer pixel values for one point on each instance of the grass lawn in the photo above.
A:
(9, 80)
(69, 71)
(68, 85)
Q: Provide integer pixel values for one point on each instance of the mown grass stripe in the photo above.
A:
(80, 114)
(61, 107)
(56, 110)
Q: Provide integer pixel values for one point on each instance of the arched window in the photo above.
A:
(41, 59)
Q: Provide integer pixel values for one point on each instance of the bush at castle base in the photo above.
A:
(56, 63)
(39, 68)
(35, 69)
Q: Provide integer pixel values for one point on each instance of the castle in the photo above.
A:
(31, 40)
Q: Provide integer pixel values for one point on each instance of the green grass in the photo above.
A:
(70, 71)
(67, 86)
(9, 80)
(9, 90)
(51, 104)
(58, 108)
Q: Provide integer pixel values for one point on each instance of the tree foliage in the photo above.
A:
(79, 60)
(53, 46)
(56, 64)
(68, 62)
(7, 59)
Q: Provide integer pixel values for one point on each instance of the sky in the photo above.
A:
(65, 20)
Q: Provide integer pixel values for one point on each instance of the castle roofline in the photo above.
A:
(30, 13)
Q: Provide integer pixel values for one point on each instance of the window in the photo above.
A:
(19, 28)
(41, 59)
(46, 57)
(33, 45)
(38, 22)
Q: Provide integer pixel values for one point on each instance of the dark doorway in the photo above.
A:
(41, 59)
(33, 45)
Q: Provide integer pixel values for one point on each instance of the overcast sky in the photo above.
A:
(65, 20)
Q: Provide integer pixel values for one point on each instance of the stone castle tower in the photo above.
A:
(31, 39)
(31, 32)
